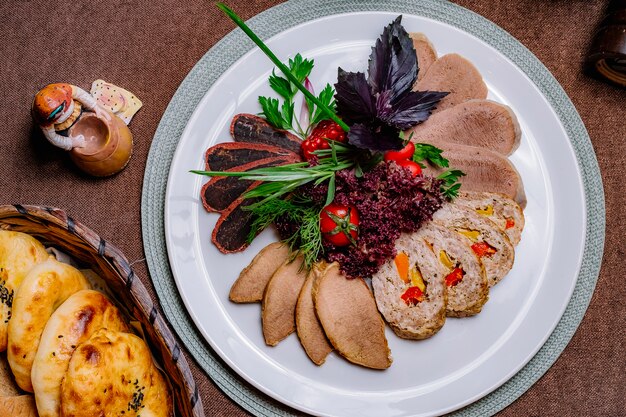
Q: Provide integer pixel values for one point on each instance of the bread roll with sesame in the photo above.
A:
(73, 323)
(112, 374)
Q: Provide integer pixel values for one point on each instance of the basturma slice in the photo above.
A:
(347, 311)
(229, 155)
(278, 309)
(221, 192)
(253, 129)
(231, 231)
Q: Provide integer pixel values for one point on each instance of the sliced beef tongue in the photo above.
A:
(224, 156)
(253, 129)
(220, 192)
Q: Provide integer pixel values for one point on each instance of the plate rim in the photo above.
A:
(284, 16)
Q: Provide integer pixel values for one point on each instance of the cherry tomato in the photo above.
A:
(404, 153)
(339, 224)
(411, 166)
(318, 139)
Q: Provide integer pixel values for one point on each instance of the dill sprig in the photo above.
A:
(307, 240)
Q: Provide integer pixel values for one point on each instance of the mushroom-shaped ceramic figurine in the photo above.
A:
(99, 142)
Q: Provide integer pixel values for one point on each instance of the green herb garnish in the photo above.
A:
(450, 187)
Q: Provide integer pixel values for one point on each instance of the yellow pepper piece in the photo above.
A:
(417, 280)
(488, 211)
(472, 234)
(445, 259)
(402, 266)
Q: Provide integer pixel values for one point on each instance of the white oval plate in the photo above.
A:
(469, 357)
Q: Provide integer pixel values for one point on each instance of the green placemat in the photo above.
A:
(278, 19)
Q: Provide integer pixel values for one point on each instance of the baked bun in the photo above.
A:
(112, 374)
(488, 242)
(19, 252)
(43, 290)
(469, 292)
(410, 290)
(73, 323)
(498, 208)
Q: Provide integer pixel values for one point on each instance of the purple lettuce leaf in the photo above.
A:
(411, 108)
(393, 62)
(355, 102)
(374, 138)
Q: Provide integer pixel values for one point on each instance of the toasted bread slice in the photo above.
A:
(50, 283)
(467, 296)
(482, 123)
(278, 310)
(252, 281)
(425, 51)
(347, 311)
(498, 208)
(456, 75)
(489, 243)
(308, 327)
(412, 318)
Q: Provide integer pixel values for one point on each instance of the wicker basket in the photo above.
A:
(53, 227)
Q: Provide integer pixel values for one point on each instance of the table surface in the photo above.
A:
(148, 47)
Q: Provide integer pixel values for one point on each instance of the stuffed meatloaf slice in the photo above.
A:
(489, 243)
(498, 208)
(410, 290)
(465, 279)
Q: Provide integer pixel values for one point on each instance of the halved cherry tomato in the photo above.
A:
(404, 153)
(412, 296)
(454, 277)
(411, 166)
(339, 224)
(482, 249)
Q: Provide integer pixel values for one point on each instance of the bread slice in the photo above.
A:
(347, 311)
(113, 374)
(408, 319)
(481, 123)
(467, 297)
(498, 208)
(44, 289)
(308, 327)
(19, 252)
(278, 310)
(456, 75)
(425, 51)
(481, 231)
(74, 322)
(252, 281)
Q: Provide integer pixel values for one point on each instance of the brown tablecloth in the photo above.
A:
(149, 46)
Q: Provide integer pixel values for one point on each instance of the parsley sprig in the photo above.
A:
(281, 116)
(433, 155)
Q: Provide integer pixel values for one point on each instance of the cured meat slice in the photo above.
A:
(233, 227)
(253, 129)
(456, 75)
(425, 51)
(347, 311)
(482, 123)
(278, 310)
(225, 156)
(484, 170)
(252, 281)
(309, 329)
(220, 192)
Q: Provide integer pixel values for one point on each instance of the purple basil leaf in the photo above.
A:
(355, 102)
(376, 138)
(410, 109)
(393, 62)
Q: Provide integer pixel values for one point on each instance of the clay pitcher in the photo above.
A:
(108, 145)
